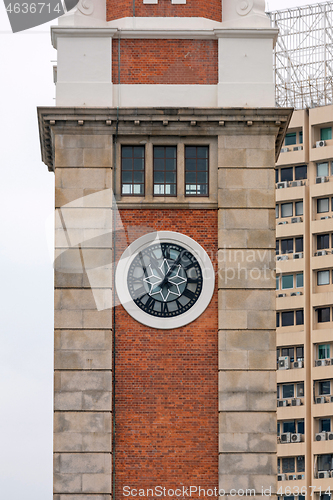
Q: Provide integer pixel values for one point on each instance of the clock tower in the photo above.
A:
(163, 143)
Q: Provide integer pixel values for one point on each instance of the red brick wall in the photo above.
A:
(166, 394)
(166, 61)
(210, 9)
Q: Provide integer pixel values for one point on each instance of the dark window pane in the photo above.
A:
(323, 314)
(323, 241)
(277, 247)
(276, 175)
(300, 317)
(287, 174)
(299, 352)
(170, 152)
(277, 320)
(301, 137)
(300, 461)
(191, 152)
(288, 465)
(322, 205)
(300, 426)
(287, 246)
(326, 134)
(299, 244)
(127, 152)
(288, 391)
(287, 318)
(324, 387)
(158, 152)
(289, 426)
(300, 390)
(301, 172)
(325, 462)
(138, 164)
(325, 425)
(139, 152)
(202, 152)
(127, 177)
(290, 139)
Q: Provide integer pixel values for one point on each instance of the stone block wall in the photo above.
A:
(247, 378)
(83, 334)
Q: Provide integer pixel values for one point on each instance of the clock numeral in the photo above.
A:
(166, 251)
(189, 294)
(165, 309)
(150, 303)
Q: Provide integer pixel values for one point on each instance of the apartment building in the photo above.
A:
(304, 317)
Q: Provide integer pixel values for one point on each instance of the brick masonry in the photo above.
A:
(165, 62)
(209, 9)
(166, 394)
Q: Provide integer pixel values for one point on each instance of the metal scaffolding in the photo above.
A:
(303, 56)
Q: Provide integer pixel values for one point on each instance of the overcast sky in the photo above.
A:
(26, 297)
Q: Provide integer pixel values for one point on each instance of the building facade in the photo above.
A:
(304, 303)
(163, 142)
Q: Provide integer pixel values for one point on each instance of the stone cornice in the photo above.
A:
(159, 121)
(165, 33)
(74, 32)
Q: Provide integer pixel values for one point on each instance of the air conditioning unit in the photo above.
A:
(282, 477)
(321, 179)
(295, 294)
(298, 255)
(282, 295)
(296, 183)
(284, 363)
(326, 217)
(320, 362)
(324, 474)
(285, 437)
(298, 148)
(321, 436)
(296, 438)
(331, 399)
(320, 253)
(281, 185)
(327, 362)
(282, 223)
(294, 220)
(296, 402)
(320, 144)
(300, 476)
(282, 257)
(281, 403)
(298, 364)
(320, 400)
(285, 150)
(292, 477)
(330, 436)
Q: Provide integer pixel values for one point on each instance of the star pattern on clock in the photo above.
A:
(167, 284)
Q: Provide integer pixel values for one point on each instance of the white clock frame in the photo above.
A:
(208, 283)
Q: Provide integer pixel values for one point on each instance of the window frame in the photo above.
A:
(140, 195)
(208, 170)
(164, 171)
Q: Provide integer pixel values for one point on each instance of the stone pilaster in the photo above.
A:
(83, 316)
(247, 364)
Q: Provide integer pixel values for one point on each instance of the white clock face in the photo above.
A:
(165, 280)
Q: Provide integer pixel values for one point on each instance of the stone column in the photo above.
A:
(83, 315)
(247, 378)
